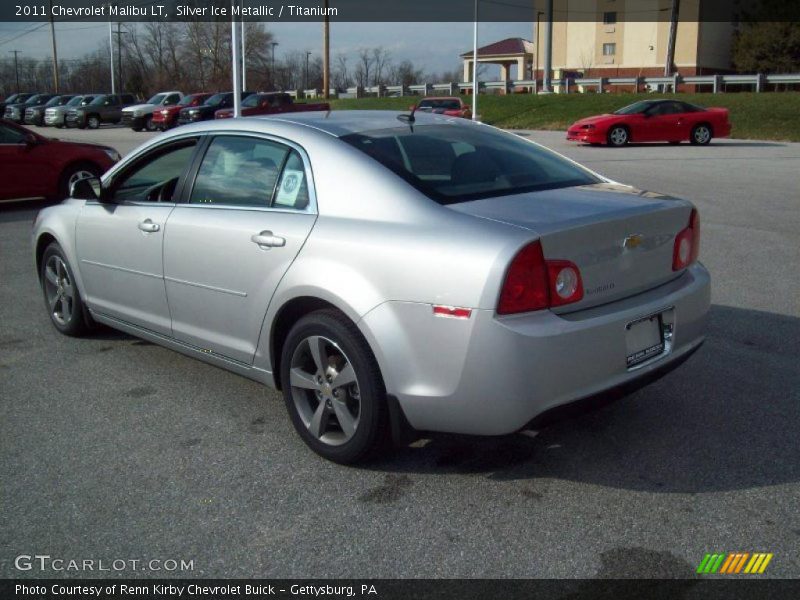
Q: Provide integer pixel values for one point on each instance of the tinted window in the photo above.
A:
(9, 135)
(635, 108)
(156, 99)
(239, 170)
(443, 104)
(79, 100)
(98, 100)
(172, 99)
(454, 163)
(666, 108)
(155, 178)
(252, 101)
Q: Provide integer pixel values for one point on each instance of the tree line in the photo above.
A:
(195, 56)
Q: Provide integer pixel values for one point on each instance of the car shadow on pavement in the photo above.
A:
(726, 419)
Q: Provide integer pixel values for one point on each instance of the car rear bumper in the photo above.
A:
(490, 375)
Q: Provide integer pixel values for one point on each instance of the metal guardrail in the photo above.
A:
(564, 85)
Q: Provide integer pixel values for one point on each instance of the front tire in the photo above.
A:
(72, 174)
(61, 296)
(93, 122)
(701, 135)
(618, 136)
(333, 388)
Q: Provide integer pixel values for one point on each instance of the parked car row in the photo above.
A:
(70, 110)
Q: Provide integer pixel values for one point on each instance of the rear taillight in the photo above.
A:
(533, 283)
(687, 244)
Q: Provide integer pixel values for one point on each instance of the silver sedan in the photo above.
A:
(390, 273)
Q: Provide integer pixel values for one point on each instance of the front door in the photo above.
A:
(18, 173)
(228, 246)
(120, 243)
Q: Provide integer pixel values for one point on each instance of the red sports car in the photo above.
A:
(166, 117)
(450, 106)
(670, 121)
(33, 166)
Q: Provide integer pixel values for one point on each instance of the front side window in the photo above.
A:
(241, 171)
(155, 178)
(456, 163)
(635, 108)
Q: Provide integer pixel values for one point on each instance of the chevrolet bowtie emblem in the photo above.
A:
(633, 241)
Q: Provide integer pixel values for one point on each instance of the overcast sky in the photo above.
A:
(433, 47)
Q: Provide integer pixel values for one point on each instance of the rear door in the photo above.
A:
(120, 243)
(112, 110)
(229, 243)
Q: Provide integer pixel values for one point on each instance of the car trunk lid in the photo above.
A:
(621, 239)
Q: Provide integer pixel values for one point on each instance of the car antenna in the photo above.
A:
(409, 118)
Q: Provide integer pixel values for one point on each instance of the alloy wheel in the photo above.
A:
(59, 289)
(325, 390)
(618, 136)
(77, 176)
(702, 134)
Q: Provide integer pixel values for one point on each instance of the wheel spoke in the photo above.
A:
(51, 275)
(54, 300)
(319, 420)
(67, 289)
(59, 269)
(346, 375)
(66, 308)
(316, 346)
(346, 420)
(300, 379)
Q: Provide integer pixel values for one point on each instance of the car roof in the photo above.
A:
(345, 122)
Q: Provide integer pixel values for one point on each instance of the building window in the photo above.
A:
(609, 18)
(609, 49)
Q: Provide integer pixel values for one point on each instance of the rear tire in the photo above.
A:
(344, 423)
(618, 136)
(61, 297)
(701, 135)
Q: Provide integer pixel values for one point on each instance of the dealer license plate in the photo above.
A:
(645, 339)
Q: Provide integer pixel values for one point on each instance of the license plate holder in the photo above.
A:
(644, 339)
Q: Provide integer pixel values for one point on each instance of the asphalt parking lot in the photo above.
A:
(113, 448)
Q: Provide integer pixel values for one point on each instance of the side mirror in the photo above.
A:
(412, 107)
(30, 140)
(86, 188)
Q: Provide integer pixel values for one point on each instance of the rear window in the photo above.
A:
(456, 163)
(441, 104)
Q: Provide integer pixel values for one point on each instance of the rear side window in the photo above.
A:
(239, 171)
(456, 163)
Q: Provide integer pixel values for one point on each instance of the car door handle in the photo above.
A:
(148, 226)
(265, 239)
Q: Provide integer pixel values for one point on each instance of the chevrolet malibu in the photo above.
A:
(388, 273)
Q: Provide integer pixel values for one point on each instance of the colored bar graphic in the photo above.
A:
(733, 563)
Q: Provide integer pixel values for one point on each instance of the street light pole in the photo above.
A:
(236, 69)
(475, 66)
(244, 57)
(326, 54)
(536, 66)
(111, 54)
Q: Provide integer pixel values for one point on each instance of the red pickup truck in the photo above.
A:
(273, 103)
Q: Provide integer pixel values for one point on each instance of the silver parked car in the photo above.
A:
(389, 273)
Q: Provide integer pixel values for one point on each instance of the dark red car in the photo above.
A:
(271, 103)
(670, 121)
(450, 106)
(167, 116)
(33, 166)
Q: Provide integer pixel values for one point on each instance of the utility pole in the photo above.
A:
(306, 87)
(16, 65)
(119, 34)
(538, 47)
(55, 51)
(326, 54)
(272, 67)
(673, 32)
